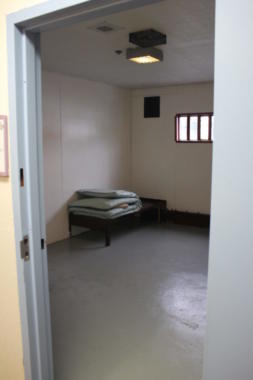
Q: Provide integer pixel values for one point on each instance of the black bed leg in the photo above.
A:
(107, 237)
(70, 226)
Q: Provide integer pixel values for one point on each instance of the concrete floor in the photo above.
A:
(133, 311)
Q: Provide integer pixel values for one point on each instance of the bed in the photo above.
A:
(101, 209)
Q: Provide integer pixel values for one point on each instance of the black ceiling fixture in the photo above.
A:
(146, 52)
(148, 38)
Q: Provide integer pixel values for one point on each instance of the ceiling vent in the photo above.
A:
(105, 27)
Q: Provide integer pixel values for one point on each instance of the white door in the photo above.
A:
(26, 141)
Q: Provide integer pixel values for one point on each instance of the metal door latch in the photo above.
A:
(24, 248)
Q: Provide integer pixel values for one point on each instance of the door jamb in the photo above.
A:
(24, 83)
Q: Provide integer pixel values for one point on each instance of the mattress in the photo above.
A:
(104, 203)
(107, 207)
(105, 214)
(98, 193)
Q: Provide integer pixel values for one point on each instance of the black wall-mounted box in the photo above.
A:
(152, 107)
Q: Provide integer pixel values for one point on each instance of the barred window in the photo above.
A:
(194, 127)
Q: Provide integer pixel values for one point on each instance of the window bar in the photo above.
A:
(199, 127)
(188, 128)
(177, 128)
(210, 128)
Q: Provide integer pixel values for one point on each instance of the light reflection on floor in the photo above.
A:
(133, 311)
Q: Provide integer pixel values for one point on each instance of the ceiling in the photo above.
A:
(79, 50)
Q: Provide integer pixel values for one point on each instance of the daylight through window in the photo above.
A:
(197, 127)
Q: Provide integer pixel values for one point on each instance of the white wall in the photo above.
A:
(229, 344)
(179, 173)
(86, 142)
(95, 135)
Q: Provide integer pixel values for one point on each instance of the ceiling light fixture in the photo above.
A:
(144, 55)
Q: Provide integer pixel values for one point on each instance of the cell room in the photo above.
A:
(128, 131)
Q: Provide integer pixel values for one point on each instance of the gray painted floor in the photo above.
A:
(133, 311)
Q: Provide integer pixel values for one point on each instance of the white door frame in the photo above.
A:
(26, 143)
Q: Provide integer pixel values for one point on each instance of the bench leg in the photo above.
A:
(70, 226)
(159, 215)
(107, 237)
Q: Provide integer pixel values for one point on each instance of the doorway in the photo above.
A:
(31, 194)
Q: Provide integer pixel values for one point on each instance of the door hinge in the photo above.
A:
(24, 248)
(42, 243)
(21, 177)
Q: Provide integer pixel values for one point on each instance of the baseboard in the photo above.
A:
(189, 218)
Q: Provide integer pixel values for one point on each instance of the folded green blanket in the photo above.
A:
(105, 214)
(96, 193)
(103, 203)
